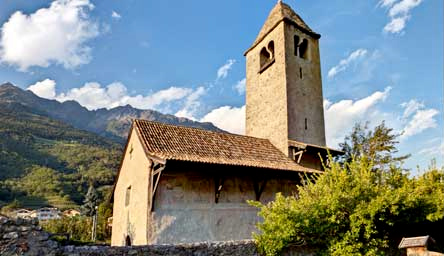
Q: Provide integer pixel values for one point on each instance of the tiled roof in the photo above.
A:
(279, 13)
(171, 142)
(418, 241)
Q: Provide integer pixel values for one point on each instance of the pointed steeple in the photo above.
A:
(282, 12)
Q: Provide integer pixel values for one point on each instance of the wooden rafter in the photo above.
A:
(156, 172)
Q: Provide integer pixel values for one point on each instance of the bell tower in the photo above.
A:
(284, 87)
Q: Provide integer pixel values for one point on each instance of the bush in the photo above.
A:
(352, 210)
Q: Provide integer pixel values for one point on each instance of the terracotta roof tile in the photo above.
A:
(171, 142)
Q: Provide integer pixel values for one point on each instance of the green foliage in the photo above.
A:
(362, 205)
(78, 228)
(91, 202)
(379, 145)
(44, 162)
(352, 211)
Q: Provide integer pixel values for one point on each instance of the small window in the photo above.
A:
(300, 47)
(303, 49)
(306, 124)
(300, 73)
(266, 56)
(128, 196)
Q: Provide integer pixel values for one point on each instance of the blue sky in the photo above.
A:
(381, 59)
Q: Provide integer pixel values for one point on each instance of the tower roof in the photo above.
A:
(282, 12)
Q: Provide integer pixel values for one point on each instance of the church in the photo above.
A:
(180, 184)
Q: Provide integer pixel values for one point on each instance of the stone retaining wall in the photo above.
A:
(25, 237)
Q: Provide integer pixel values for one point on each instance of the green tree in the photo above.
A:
(349, 212)
(361, 205)
(378, 145)
(90, 202)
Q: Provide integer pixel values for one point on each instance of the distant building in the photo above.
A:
(179, 184)
(71, 213)
(46, 213)
(23, 213)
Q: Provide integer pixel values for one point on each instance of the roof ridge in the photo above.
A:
(200, 129)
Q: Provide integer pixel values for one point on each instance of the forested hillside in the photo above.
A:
(47, 162)
(50, 152)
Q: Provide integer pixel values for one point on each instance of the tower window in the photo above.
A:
(303, 49)
(300, 73)
(306, 124)
(296, 45)
(128, 196)
(300, 47)
(266, 56)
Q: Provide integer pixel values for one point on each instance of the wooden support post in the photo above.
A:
(259, 187)
(156, 172)
(218, 184)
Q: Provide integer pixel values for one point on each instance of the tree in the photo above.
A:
(90, 202)
(90, 207)
(349, 212)
(378, 146)
(362, 205)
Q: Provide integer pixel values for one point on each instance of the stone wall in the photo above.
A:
(25, 237)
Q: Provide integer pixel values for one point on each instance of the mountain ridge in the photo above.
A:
(112, 123)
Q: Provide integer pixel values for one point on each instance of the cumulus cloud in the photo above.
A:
(342, 115)
(240, 86)
(231, 119)
(345, 63)
(411, 107)
(422, 120)
(93, 96)
(116, 15)
(57, 34)
(399, 13)
(222, 72)
(192, 104)
(44, 89)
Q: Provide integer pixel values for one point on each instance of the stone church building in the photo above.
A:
(179, 184)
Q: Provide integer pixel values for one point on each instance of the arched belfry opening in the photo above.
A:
(303, 49)
(266, 56)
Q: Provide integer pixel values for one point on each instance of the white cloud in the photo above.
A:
(342, 115)
(93, 95)
(44, 89)
(399, 13)
(422, 120)
(396, 25)
(222, 72)
(387, 3)
(433, 150)
(228, 118)
(50, 35)
(411, 107)
(116, 15)
(192, 104)
(240, 86)
(344, 63)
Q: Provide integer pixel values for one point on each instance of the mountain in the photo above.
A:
(44, 161)
(50, 152)
(113, 123)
